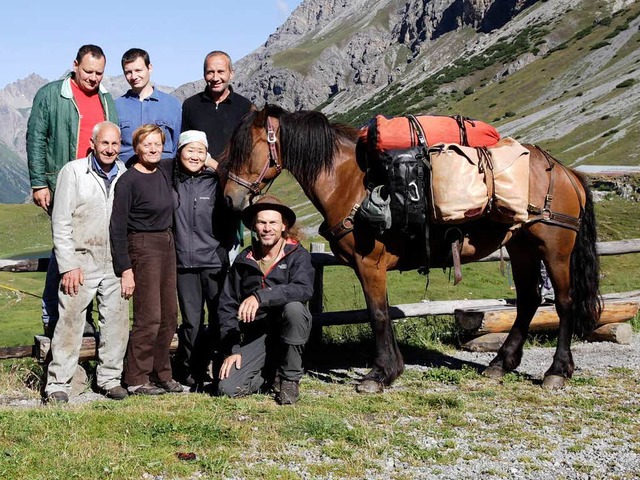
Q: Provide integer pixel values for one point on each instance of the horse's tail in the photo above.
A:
(585, 270)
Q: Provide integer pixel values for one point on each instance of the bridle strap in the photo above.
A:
(272, 160)
(271, 140)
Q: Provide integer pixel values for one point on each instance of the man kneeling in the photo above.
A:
(263, 322)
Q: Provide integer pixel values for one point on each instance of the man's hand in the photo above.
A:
(42, 198)
(248, 308)
(127, 284)
(71, 281)
(228, 363)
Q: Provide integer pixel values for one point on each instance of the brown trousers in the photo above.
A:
(155, 309)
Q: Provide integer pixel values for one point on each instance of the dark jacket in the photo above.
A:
(200, 221)
(289, 280)
(52, 130)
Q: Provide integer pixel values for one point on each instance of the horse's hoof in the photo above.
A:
(554, 382)
(496, 372)
(369, 386)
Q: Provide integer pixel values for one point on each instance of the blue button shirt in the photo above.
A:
(160, 109)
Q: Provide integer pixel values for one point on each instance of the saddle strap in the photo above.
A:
(340, 229)
(545, 214)
(455, 255)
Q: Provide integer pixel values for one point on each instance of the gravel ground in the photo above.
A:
(615, 457)
(589, 358)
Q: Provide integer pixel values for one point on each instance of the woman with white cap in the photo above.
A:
(202, 257)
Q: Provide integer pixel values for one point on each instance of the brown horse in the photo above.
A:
(322, 157)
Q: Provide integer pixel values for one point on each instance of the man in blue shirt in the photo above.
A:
(145, 104)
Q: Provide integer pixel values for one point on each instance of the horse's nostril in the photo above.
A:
(228, 201)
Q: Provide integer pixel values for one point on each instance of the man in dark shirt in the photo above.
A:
(217, 110)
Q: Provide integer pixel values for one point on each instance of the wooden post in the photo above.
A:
(479, 321)
(88, 349)
(316, 303)
(612, 332)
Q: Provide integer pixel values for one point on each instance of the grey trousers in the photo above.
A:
(113, 318)
(291, 331)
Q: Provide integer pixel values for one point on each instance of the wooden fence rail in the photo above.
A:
(321, 318)
(321, 260)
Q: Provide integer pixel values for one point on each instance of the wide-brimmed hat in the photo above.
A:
(267, 202)
(189, 136)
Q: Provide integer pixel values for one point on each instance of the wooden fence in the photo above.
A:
(465, 310)
(320, 260)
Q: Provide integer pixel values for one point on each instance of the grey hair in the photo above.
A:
(99, 126)
(218, 53)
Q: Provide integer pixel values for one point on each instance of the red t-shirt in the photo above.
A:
(91, 113)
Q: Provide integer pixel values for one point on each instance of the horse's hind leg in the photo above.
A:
(525, 263)
(388, 362)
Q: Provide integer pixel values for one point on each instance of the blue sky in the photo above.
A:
(43, 36)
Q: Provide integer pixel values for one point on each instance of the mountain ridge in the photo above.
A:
(561, 72)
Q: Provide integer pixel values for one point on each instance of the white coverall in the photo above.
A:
(80, 224)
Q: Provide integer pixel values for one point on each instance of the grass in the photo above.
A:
(430, 420)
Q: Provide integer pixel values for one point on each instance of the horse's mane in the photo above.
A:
(309, 141)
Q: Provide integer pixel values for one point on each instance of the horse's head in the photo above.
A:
(253, 157)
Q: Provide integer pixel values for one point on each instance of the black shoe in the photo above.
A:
(116, 393)
(170, 386)
(148, 389)
(58, 397)
(275, 386)
(289, 392)
(187, 380)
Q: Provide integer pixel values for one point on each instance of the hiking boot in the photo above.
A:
(116, 393)
(58, 397)
(289, 392)
(170, 386)
(146, 389)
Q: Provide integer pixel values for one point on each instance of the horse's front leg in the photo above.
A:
(388, 362)
(562, 367)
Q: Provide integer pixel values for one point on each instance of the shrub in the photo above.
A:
(599, 45)
(627, 83)
(510, 114)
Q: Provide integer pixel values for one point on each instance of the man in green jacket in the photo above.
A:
(62, 118)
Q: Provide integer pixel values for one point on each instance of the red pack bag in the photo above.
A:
(394, 133)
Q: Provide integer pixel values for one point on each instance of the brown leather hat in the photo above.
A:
(267, 202)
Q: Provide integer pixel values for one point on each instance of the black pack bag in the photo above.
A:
(406, 179)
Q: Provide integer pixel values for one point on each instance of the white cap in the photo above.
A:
(190, 136)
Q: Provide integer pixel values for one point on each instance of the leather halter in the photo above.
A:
(272, 161)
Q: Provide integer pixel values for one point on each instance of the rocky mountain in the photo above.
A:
(562, 73)
(558, 72)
